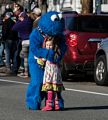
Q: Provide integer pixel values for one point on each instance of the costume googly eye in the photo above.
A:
(54, 17)
(60, 16)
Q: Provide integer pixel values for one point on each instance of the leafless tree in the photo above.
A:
(87, 6)
(42, 5)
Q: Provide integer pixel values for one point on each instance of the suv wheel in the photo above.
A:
(101, 75)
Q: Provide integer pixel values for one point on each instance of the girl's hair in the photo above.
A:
(56, 42)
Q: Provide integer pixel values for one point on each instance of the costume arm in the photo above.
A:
(36, 41)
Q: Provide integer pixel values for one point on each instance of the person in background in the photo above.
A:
(43, 5)
(35, 15)
(9, 37)
(1, 54)
(1, 44)
(17, 9)
(7, 9)
(24, 27)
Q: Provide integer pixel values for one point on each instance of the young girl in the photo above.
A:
(52, 80)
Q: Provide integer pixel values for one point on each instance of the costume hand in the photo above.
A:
(40, 61)
(51, 54)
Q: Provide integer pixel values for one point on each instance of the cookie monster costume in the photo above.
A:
(50, 24)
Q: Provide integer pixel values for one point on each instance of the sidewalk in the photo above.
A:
(3, 74)
(2, 71)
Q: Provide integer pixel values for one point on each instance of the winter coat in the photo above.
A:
(7, 32)
(24, 28)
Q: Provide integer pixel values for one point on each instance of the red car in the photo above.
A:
(81, 31)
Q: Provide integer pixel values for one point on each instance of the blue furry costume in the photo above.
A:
(51, 24)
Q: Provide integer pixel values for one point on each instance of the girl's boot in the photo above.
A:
(59, 97)
(49, 102)
(57, 107)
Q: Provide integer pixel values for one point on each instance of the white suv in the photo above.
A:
(101, 63)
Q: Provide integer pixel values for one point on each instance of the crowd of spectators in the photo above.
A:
(17, 25)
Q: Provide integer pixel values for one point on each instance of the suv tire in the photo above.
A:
(100, 73)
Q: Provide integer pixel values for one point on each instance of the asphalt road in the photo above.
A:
(84, 100)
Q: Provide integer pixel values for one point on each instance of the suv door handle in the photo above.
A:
(95, 40)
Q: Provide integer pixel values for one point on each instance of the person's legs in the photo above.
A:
(43, 6)
(49, 101)
(16, 57)
(8, 45)
(56, 101)
(1, 52)
(22, 63)
(61, 101)
(25, 49)
(33, 94)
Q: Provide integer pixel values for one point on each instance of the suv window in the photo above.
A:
(71, 23)
(82, 23)
(93, 24)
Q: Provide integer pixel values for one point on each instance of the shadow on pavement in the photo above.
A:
(86, 108)
(79, 78)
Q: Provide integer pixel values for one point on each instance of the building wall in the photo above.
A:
(59, 5)
(74, 5)
(104, 6)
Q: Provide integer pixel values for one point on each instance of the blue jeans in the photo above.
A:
(1, 53)
(10, 48)
(16, 57)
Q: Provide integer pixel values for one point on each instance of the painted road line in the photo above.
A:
(89, 92)
(11, 81)
(68, 89)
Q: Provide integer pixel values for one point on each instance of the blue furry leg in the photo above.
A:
(33, 94)
(61, 102)
(33, 97)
